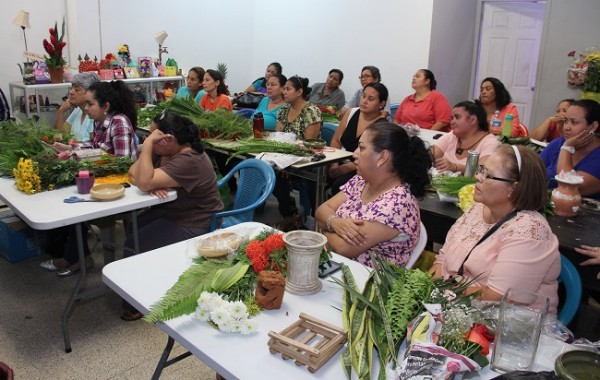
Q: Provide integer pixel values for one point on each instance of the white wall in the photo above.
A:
(569, 25)
(307, 37)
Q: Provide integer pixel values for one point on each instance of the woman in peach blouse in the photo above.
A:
(216, 92)
(522, 252)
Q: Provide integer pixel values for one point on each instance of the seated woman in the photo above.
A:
(193, 85)
(352, 126)
(368, 74)
(552, 127)
(173, 157)
(426, 108)
(78, 123)
(260, 85)
(469, 132)
(302, 118)
(579, 148)
(216, 92)
(495, 97)
(272, 103)
(111, 106)
(377, 211)
(329, 93)
(502, 241)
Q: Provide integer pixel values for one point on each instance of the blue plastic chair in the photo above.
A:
(245, 112)
(393, 109)
(570, 278)
(327, 132)
(255, 184)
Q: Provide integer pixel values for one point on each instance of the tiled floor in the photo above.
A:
(104, 346)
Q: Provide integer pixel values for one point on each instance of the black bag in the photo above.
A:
(248, 100)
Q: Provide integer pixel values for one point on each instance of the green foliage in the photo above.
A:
(21, 140)
(260, 145)
(450, 185)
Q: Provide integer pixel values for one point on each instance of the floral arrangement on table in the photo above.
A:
(390, 306)
(233, 279)
(86, 64)
(584, 70)
(26, 156)
(218, 124)
(55, 47)
(329, 114)
(125, 55)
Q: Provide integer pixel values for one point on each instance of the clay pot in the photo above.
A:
(304, 252)
(56, 74)
(566, 198)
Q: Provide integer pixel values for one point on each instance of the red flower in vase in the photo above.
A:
(55, 47)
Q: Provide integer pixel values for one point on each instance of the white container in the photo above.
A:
(304, 252)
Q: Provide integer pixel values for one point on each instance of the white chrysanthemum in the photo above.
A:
(227, 325)
(219, 315)
(248, 326)
(205, 298)
(238, 309)
(202, 314)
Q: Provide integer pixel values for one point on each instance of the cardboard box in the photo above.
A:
(18, 241)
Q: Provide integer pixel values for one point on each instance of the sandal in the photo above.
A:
(131, 315)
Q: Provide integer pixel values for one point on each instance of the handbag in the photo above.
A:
(248, 100)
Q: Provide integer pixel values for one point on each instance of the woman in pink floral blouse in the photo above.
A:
(377, 211)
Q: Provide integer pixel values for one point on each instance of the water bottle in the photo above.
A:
(507, 127)
(258, 125)
(496, 124)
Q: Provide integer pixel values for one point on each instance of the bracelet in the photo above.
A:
(568, 148)
(329, 220)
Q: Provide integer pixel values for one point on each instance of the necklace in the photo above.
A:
(460, 150)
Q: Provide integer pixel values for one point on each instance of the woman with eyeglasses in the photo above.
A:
(470, 131)
(368, 74)
(427, 108)
(502, 241)
(579, 148)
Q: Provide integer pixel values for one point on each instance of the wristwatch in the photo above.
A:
(568, 148)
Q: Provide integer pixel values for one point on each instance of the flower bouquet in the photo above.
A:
(329, 114)
(233, 279)
(55, 47)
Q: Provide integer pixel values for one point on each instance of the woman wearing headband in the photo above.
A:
(502, 242)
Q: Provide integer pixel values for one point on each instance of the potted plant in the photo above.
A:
(54, 48)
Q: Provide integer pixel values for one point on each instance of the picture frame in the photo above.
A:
(132, 72)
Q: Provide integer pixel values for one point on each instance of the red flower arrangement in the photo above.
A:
(267, 253)
(55, 47)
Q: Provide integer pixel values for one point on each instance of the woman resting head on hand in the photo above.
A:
(522, 252)
(377, 211)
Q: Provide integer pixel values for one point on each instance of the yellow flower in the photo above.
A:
(465, 197)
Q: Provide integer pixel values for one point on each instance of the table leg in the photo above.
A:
(164, 362)
(136, 237)
(75, 292)
(320, 183)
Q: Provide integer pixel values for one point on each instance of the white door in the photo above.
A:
(509, 48)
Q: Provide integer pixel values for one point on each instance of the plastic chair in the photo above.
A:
(393, 109)
(244, 112)
(570, 278)
(327, 132)
(414, 256)
(255, 184)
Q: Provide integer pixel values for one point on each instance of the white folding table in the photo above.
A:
(143, 279)
(47, 210)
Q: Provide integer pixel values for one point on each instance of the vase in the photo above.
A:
(56, 73)
(590, 95)
(566, 197)
(304, 253)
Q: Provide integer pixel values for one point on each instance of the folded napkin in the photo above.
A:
(281, 160)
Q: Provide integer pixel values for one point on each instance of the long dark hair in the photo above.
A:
(215, 75)
(118, 96)
(180, 127)
(475, 108)
(410, 158)
(503, 97)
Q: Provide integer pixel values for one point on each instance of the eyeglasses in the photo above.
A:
(482, 171)
(365, 76)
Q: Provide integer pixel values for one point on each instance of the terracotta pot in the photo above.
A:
(566, 198)
(304, 252)
(56, 74)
